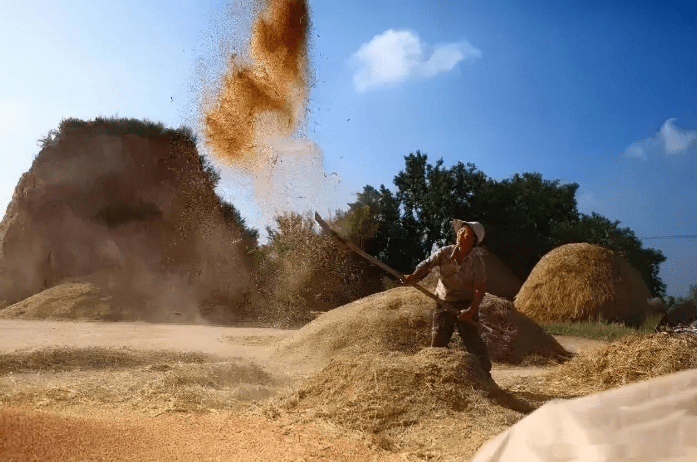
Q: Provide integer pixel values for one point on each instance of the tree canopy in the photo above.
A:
(525, 217)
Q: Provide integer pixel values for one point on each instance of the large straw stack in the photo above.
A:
(581, 282)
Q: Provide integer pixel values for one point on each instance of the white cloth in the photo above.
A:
(654, 421)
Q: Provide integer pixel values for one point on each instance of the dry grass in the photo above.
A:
(121, 379)
(629, 359)
(62, 359)
(578, 282)
(374, 392)
(402, 402)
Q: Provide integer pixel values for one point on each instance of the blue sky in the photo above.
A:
(603, 93)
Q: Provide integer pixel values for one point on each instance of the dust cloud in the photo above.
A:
(255, 123)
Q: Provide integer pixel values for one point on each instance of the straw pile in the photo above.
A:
(376, 391)
(579, 282)
(395, 320)
(117, 379)
(513, 335)
(399, 320)
(75, 300)
(629, 359)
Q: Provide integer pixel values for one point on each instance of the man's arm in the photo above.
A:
(423, 268)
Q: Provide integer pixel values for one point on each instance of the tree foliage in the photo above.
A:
(525, 217)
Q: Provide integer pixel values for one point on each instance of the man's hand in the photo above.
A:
(466, 315)
(408, 279)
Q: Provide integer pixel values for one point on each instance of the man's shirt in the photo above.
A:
(457, 281)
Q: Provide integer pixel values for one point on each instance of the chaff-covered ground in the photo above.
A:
(114, 380)
(629, 359)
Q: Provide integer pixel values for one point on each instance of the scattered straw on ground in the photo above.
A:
(101, 380)
(629, 359)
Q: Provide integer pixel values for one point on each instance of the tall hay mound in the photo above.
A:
(374, 392)
(580, 282)
(628, 359)
(129, 201)
(395, 320)
(513, 335)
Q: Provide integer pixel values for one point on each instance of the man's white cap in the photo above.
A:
(475, 225)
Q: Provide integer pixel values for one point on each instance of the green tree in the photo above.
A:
(431, 196)
(383, 221)
(525, 217)
(519, 214)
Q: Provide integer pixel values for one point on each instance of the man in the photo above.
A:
(462, 285)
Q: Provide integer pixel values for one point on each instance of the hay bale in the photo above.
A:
(374, 392)
(395, 320)
(513, 335)
(580, 282)
(628, 359)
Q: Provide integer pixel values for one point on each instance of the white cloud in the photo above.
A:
(669, 141)
(399, 55)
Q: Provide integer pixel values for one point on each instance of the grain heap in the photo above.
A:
(579, 282)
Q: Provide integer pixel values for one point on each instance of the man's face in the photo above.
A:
(465, 240)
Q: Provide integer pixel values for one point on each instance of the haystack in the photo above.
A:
(87, 301)
(628, 359)
(376, 391)
(126, 198)
(395, 320)
(65, 301)
(580, 282)
(511, 335)
(399, 320)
